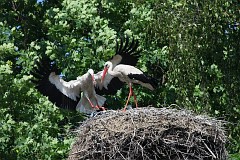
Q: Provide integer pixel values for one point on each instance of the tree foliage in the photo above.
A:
(195, 43)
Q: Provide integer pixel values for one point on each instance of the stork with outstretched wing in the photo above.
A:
(64, 94)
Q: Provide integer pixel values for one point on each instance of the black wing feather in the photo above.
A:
(114, 85)
(145, 79)
(123, 49)
(46, 88)
(129, 53)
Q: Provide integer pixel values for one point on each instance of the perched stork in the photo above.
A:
(122, 67)
(67, 94)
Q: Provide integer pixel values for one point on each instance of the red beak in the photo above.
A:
(93, 79)
(104, 73)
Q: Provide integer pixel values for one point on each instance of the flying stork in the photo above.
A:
(122, 68)
(67, 94)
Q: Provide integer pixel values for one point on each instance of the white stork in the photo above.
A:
(122, 67)
(67, 94)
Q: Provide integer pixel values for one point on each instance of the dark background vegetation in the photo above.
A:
(196, 43)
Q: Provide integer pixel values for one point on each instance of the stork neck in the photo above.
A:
(111, 67)
(112, 72)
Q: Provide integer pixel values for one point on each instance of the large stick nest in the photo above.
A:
(150, 133)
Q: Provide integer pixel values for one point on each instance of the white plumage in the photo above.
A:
(129, 74)
(70, 89)
(67, 94)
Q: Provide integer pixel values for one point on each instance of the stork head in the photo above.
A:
(106, 67)
(91, 72)
(107, 64)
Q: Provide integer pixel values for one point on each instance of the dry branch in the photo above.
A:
(150, 133)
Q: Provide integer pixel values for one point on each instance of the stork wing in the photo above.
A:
(63, 94)
(110, 85)
(128, 51)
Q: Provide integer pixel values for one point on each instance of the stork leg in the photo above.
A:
(92, 104)
(102, 108)
(99, 107)
(135, 99)
(131, 93)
